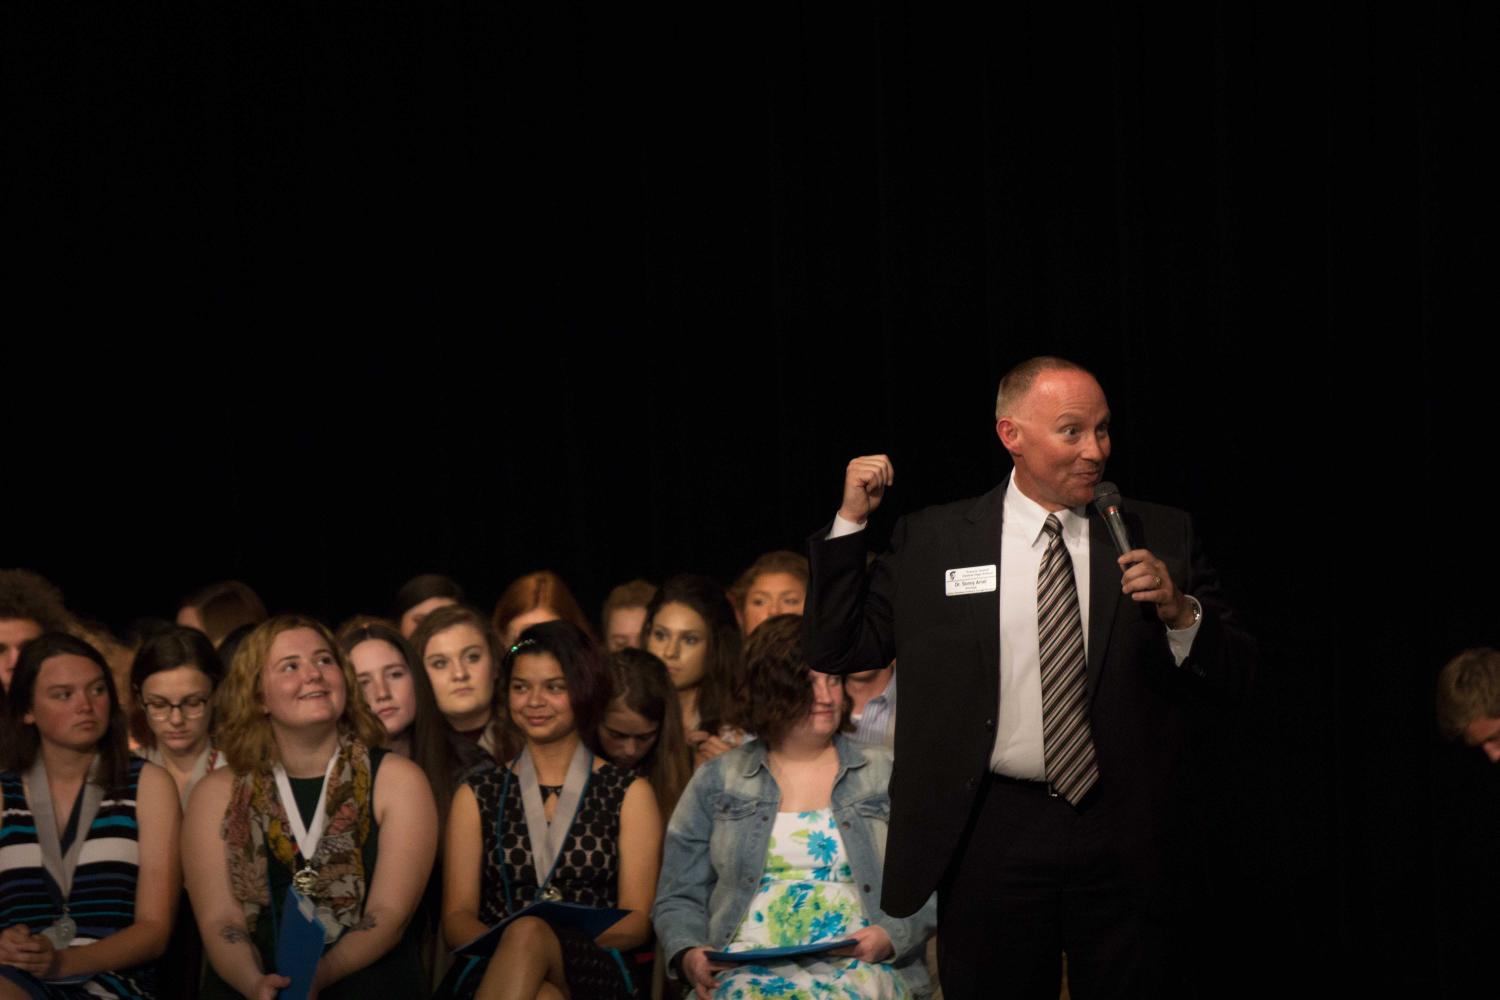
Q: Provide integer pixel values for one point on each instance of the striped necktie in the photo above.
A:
(1071, 767)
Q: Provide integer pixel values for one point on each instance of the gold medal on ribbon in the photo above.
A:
(305, 879)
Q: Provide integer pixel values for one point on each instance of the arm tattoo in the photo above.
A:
(366, 923)
(232, 934)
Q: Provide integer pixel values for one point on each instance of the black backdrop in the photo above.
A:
(323, 294)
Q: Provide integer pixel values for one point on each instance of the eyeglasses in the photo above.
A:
(192, 707)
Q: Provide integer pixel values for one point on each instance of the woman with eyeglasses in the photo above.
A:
(174, 676)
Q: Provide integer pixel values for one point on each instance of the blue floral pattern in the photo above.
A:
(806, 895)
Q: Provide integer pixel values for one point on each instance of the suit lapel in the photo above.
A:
(983, 542)
(1104, 596)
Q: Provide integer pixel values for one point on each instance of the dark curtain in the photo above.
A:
(323, 294)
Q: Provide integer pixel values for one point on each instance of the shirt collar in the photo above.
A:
(849, 755)
(1027, 517)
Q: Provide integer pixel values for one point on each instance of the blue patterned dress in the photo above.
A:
(102, 900)
(806, 895)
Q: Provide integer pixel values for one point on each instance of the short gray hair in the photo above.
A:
(1468, 689)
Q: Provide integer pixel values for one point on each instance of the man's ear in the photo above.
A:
(1009, 433)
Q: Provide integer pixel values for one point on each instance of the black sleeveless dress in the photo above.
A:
(587, 873)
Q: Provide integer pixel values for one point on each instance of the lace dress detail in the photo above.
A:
(587, 873)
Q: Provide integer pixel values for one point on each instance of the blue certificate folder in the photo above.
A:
(299, 945)
(772, 954)
(590, 920)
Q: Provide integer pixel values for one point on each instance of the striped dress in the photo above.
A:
(102, 900)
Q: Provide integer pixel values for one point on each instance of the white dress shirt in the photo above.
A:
(1019, 751)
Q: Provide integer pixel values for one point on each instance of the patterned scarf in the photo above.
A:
(256, 823)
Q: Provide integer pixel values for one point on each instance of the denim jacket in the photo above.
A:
(717, 841)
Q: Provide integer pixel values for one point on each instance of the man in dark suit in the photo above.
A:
(1049, 688)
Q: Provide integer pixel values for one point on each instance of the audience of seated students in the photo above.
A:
(461, 655)
(29, 606)
(174, 676)
(624, 614)
(535, 598)
(219, 608)
(691, 627)
(431, 748)
(775, 584)
(780, 843)
(303, 746)
(557, 822)
(421, 596)
(89, 872)
(642, 728)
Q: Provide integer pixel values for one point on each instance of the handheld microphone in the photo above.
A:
(1107, 503)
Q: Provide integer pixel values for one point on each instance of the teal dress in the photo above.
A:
(397, 973)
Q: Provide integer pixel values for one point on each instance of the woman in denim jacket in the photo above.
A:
(781, 842)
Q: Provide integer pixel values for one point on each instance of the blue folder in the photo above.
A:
(299, 945)
(772, 954)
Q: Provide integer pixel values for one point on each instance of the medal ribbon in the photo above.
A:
(306, 836)
(48, 834)
(547, 838)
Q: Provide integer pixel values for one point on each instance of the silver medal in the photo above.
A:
(62, 933)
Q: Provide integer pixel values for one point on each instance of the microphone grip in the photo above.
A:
(1117, 530)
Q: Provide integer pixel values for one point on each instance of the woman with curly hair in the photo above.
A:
(308, 799)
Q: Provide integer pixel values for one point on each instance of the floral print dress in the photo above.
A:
(806, 895)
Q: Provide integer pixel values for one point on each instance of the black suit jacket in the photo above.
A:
(1142, 705)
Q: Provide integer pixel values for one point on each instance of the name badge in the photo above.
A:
(969, 580)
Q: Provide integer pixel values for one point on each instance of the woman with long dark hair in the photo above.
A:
(558, 822)
(642, 728)
(691, 626)
(90, 876)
